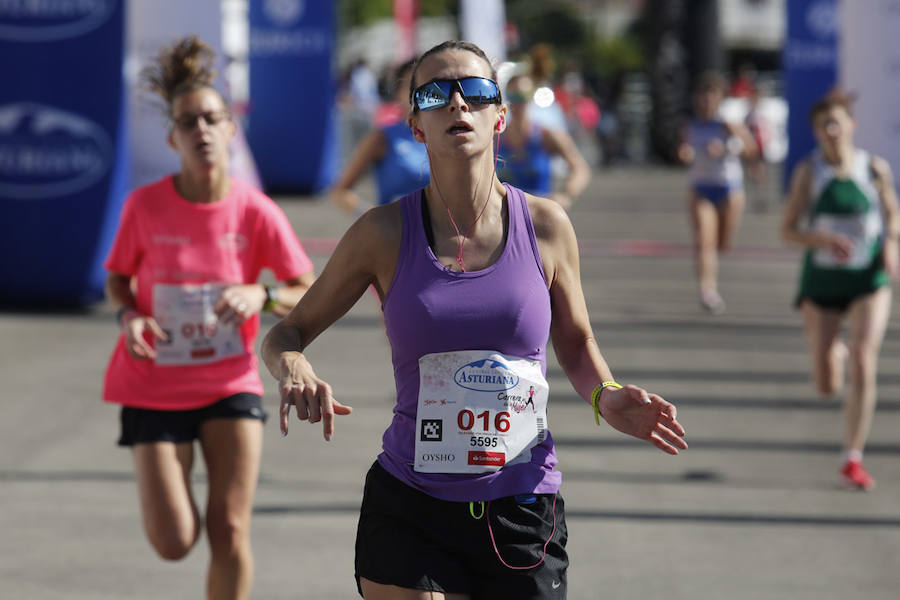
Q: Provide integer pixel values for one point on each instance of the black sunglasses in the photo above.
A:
(437, 93)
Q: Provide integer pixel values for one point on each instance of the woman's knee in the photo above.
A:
(172, 544)
(725, 239)
(229, 535)
(863, 360)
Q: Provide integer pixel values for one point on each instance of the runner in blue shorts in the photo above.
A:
(713, 148)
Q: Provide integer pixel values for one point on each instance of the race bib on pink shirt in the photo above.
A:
(185, 313)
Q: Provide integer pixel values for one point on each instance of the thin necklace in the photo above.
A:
(461, 239)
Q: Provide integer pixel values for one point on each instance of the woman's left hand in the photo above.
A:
(645, 416)
(240, 302)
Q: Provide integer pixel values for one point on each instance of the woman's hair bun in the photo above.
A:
(185, 65)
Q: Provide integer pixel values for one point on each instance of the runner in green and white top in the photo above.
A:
(842, 206)
(846, 206)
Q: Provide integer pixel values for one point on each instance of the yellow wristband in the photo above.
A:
(595, 397)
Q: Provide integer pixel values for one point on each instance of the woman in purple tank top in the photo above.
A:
(474, 278)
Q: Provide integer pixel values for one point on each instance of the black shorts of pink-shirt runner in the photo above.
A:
(142, 425)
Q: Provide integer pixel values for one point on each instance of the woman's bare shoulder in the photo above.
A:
(548, 217)
(378, 225)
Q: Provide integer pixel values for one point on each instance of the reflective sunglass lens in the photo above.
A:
(479, 90)
(431, 95)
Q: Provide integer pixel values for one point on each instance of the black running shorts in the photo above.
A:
(412, 540)
(142, 425)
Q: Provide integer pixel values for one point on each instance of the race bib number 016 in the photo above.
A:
(478, 411)
(185, 313)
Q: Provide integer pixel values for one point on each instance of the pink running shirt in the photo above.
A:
(165, 239)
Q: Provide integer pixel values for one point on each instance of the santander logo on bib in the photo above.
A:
(486, 375)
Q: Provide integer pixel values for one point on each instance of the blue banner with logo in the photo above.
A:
(291, 126)
(62, 175)
(810, 69)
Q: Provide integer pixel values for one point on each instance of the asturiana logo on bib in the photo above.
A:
(48, 20)
(46, 151)
(487, 375)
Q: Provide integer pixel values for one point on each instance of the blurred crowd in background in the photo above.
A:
(589, 62)
(308, 81)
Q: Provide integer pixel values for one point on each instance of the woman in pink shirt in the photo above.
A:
(183, 270)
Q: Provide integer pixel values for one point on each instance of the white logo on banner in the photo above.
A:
(821, 18)
(820, 51)
(278, 40)
(284, 12)
(44, 21)
(46, 151)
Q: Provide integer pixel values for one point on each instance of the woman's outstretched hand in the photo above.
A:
(645, 416)
(312, 397)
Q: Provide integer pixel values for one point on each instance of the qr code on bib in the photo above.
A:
(432, 430)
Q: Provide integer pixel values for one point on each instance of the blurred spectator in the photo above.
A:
(361, 100)
(609, 130)
(400, 162)
(544, 108)
(525, 150)
(363, 87)
(744, 84)
(581, 112)
(580, 109)
(761, 131)
(394, 100)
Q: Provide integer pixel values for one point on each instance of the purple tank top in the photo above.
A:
(430, 308)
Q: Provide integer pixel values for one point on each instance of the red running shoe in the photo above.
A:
(855, 476)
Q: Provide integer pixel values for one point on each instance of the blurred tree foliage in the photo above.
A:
(608, 56)
(559, 23)
(439, 8)
(573, 36)
(357, 13)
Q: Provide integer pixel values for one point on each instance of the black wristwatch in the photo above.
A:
(271, 298)
(121, 313)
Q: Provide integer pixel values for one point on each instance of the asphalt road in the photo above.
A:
(751, 510)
